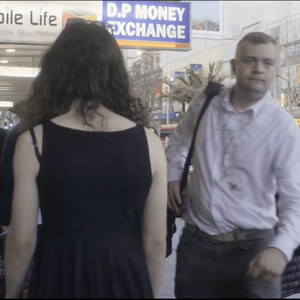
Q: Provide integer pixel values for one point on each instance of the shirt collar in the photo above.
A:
(254, 109)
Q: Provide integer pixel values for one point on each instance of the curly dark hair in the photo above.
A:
(86, 65)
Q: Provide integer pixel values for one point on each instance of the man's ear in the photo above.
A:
(233, 64)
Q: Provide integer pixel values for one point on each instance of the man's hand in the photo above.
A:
(268, 265)
(174, 197)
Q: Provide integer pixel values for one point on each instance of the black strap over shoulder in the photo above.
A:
(37, 152)
(212, 89)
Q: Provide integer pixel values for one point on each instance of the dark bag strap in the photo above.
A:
(37, 152)
(212, 89)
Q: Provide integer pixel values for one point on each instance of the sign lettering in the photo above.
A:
(42, 21)
(151, 24)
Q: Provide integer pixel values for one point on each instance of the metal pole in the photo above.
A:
(169, 87)
(205, 29)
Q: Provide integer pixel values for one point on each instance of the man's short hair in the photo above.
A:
(257, 37)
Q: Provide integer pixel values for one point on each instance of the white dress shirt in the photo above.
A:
(241, 159)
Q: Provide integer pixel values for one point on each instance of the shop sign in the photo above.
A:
(40, 22)
(150, 24)
(18, 72)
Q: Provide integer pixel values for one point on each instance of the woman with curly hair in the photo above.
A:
(86, 159)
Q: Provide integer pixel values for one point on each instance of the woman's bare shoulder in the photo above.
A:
(156, 150)
(152, 137)
(25, 140)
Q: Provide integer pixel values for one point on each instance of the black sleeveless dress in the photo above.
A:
(92, 189)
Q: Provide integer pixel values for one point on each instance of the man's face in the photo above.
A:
(254, 67)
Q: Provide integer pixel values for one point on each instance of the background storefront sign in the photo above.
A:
(40, 22)
(137, 24)
(18, 71)
(150, 24)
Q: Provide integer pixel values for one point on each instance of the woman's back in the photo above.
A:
(92, 189)
(93, 173)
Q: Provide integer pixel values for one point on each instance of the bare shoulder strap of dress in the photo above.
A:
(37, 152)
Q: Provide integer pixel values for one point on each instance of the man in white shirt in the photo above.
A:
(237, 239)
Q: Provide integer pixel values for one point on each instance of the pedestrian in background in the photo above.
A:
(237, 240)
(86, 158)
(3, 134)
(6, 170)
(7, 178)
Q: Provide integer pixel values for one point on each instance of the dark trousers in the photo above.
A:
(212, 269)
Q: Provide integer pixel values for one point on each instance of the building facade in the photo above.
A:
(215, 39)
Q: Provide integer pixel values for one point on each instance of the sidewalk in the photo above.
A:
(167, 289)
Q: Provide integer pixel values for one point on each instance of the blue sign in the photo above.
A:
(175, 75)
(172, 115)
(179, 74)
(195, 67)
(150, 24)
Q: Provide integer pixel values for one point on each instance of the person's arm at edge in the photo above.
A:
(287, 168)
(3, 174)
(21, 238)
(155, 212)
(7, 177)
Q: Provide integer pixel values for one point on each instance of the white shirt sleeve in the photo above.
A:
(286, 167)
(180, 140)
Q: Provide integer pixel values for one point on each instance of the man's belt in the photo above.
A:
(236, 235)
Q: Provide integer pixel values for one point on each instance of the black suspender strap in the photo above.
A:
(37, 152)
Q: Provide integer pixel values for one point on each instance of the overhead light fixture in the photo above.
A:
(6, 104)
(10, 50)
(6, 88)
(3, 61)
